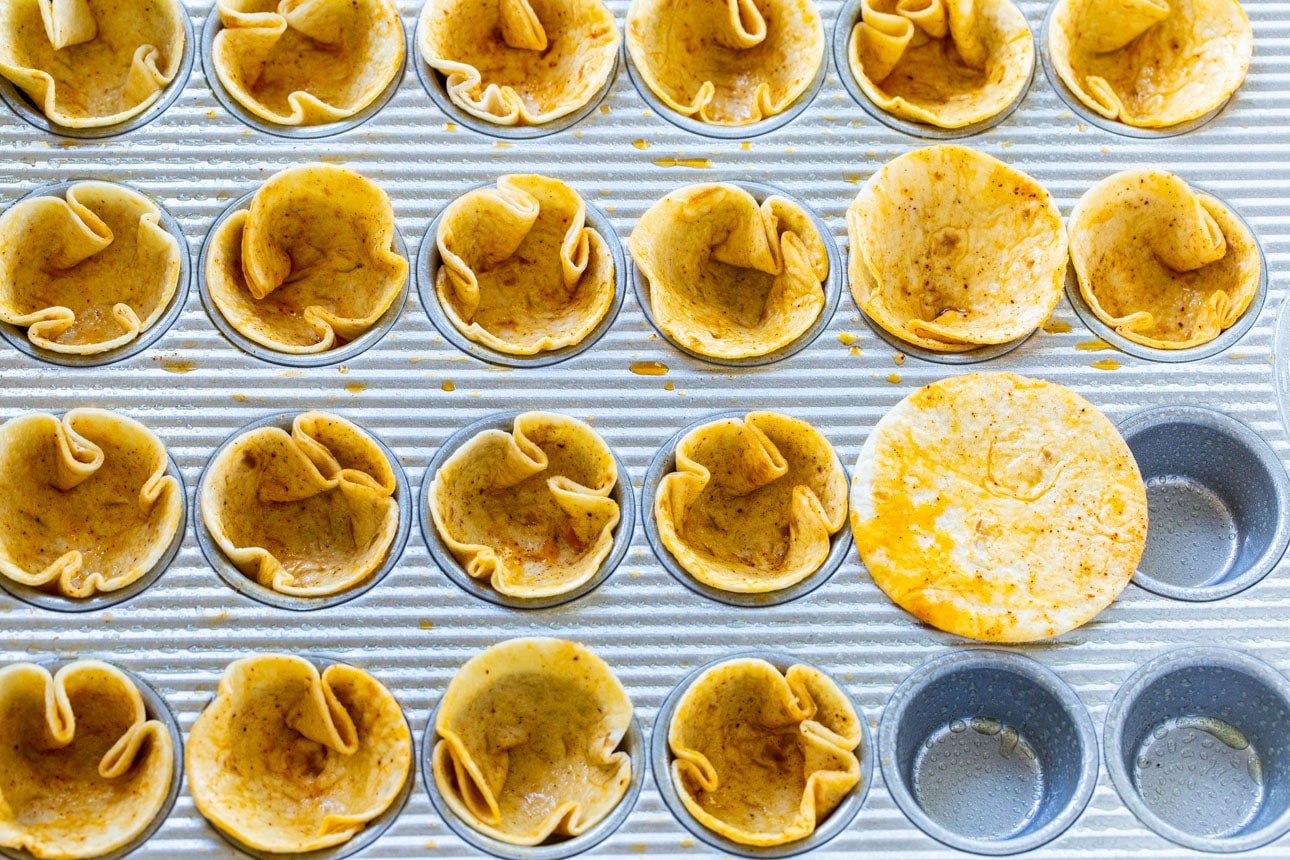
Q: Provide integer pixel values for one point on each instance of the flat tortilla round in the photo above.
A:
(998, 508)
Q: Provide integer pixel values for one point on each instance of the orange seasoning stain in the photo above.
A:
(649, 368)
(855, 350)
(450, 126)
(696, 163)
(448, 385)
(1107, 364)
(854, 178)
(668, 386)
(356, 387)
(846, 338)
(502, 144)
(426, 624)
(605, 108)
(746, 145)
(893, 378)
(1057, 327)
(239, 398)
(176, 365)
(687, 843)
(1094, 345)
(641, 143)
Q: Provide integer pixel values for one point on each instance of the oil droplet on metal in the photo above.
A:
(450, 126)
(649, 368)
(746, 145)
(1057, 327)
(426, 624)
(899, 358)
(957, 726)
(641, 143)
(667, 386)
(356, 387)
(846, 338)
(696, 163)
(175, 365)
(448, 385)
(893, 378)
(986, 725)
(1106, 364)
(1094, 345)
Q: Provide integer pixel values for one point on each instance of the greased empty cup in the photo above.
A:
(1217, 496)
(988, 752)
(1198, 746)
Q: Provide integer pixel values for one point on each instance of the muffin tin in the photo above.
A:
(416, 628)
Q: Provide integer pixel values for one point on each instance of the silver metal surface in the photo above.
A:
(417, 628)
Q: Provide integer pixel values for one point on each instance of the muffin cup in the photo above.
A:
(998, 705)
(443, 557)
(633, 743)
(365, 837)
(1226, 338)
(24, 108)
(247, 586)
(429, 260)
(435, 86)
(727, 132)
(1196, 746)
(1093, 117)
(663, 463)
(156, 708)
(661, 763)
(17, 335)
(847, 19)
(1218, 497)
(293, 132)
(102, 600)
(832, 287)
(338, 355)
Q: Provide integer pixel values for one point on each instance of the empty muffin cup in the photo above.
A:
(1198, 746)
(848, 18)
(832, 287)
(247, 585)
(988, 752)
(429, 260)
(1217, 497)
(554, 849)
(340, 354)
(453, 569)
(664, 463)
(17, 335)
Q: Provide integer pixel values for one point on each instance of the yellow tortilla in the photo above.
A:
(729, 278)
(753, 503)
(307, 62)
(88, 273)
(1151, 63)
(519, 62)
(1164, 265)
(286, 759)
(91, 63)
(763, 757)
(726, 62)
(528, 737)
(521, 271)
(952, 249)
(83, 771)
(998, 507)
(88, 507)
(948, 63)
(529, 511)
(311, 265)
(308, 513)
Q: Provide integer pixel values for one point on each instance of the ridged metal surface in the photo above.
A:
(416, 628)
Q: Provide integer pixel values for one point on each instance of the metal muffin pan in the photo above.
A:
(832, 286)
(17, 335)
(345, 352)
(416, 629)
(988, 752)
(633, 743)
(443, 557)
(375, 828)
(155, 708)
(429, 260)
(247, 586)
(841, 818)
(1198, 746)
(663, 464)
(1217, 497)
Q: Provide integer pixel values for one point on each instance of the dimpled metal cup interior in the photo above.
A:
(633, 743)
(661, 763)
(435, 85)
(336, 355)
(429, 260)
(23, 106)
(17, 335)
(1089, 115)
(664, 463)
(102, 600)
(294, 132)
(374, 829)
(1226, 338)
(988, 751)
(729, 132)
(249, 587)
(155, 708)
(848, 17)
(1198, 747)
(832, 288)
(1217, 496)
(443, 557)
